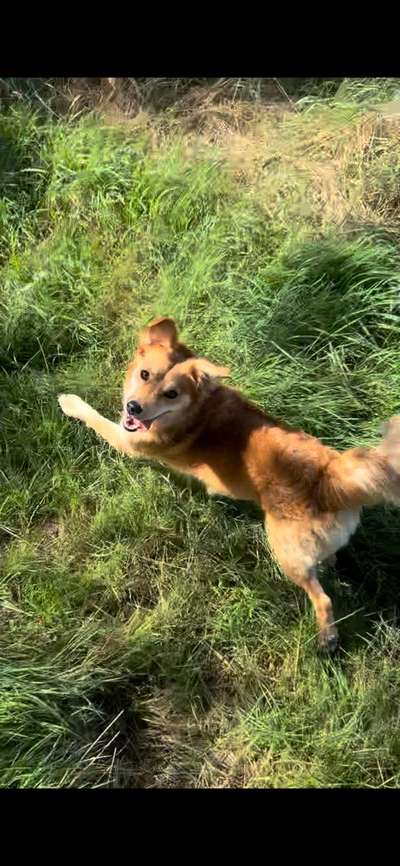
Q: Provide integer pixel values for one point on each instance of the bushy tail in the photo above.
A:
(364, 476)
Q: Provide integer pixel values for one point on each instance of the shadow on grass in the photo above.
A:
(367, 575)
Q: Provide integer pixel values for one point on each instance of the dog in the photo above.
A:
(176, 410)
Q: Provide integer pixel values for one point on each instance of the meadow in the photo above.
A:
(147, 639)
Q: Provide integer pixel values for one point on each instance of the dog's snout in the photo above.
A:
(133, 408)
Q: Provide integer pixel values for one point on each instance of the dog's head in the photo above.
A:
(164, 379)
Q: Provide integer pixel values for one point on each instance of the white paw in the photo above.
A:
(73, 406)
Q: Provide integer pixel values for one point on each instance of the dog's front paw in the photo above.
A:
(73, 406)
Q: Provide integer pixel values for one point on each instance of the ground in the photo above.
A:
(147, 638)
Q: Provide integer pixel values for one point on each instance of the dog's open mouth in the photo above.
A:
(133, 424)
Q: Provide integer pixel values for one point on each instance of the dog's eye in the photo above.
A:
(171, 394)
(144, 374)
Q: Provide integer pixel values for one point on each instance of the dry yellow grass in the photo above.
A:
(323, 167)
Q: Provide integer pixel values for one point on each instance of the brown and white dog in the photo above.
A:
(177, 411)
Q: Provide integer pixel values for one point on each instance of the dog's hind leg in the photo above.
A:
(298, 561)
(307, 579)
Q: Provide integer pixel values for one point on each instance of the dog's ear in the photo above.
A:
(200, 369)
(162, 330)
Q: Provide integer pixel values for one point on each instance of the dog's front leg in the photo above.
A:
(115, 435)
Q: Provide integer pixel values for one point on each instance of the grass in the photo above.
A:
(147, 638)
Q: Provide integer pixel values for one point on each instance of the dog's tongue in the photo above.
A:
(135, 424)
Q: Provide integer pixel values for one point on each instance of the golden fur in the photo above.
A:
(310, 494)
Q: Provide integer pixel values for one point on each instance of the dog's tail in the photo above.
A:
(364, 476)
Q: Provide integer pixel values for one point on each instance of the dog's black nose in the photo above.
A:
(133, 408)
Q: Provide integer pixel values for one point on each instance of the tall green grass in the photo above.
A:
(146, 636)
